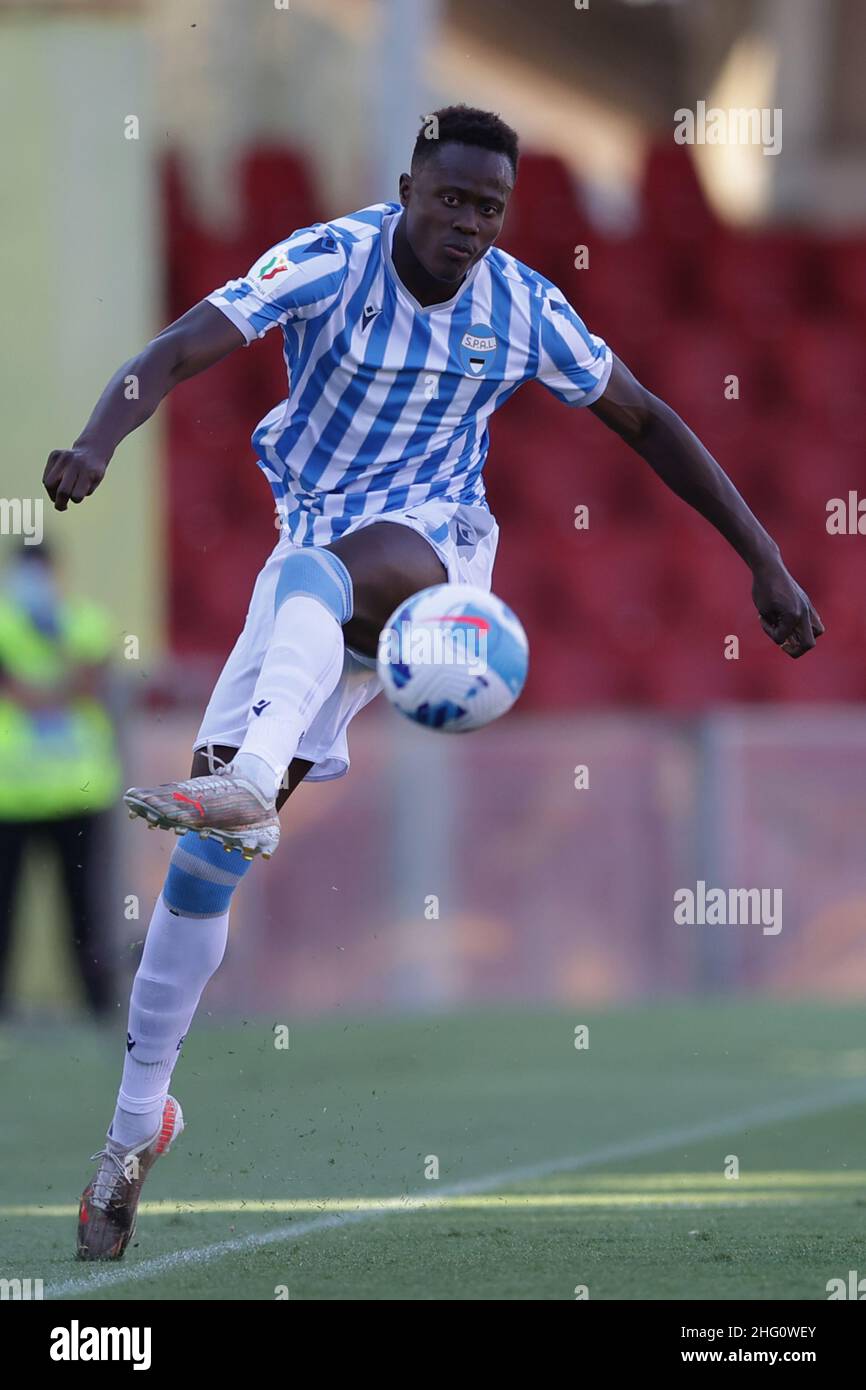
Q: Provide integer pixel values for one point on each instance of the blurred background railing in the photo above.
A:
(450, 871)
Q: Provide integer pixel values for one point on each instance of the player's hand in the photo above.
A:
(786, 612)
(72, 474)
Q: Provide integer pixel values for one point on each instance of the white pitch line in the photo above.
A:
(609, 1153)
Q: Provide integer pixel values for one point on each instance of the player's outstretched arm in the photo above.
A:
(679, 458)
(200, 338)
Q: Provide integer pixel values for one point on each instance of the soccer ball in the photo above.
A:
(453, 658)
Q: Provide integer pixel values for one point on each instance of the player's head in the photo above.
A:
(463, 169)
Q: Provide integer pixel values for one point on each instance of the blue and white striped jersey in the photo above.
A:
(389, 401)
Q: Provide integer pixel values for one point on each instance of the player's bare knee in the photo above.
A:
(394, 583)
(387, 564)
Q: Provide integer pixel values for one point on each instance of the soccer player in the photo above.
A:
(404, 328)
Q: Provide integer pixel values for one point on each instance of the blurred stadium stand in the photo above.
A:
(647, 593)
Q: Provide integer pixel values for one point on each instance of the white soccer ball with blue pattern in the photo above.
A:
(453, 658)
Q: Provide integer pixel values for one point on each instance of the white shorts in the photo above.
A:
(465, 539)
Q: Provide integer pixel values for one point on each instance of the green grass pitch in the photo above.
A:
(301, 1173)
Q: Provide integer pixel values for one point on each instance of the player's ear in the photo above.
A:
(405, 188)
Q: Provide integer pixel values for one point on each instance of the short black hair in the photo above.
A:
(465, 125)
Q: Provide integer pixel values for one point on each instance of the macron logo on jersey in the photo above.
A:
(262, 705)
(368, 315)
(322, 243)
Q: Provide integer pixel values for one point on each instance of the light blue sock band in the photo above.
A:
(202, 877)
(317, 573)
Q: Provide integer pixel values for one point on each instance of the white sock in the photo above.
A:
(180, 956)
(257, 771)
(301, 669)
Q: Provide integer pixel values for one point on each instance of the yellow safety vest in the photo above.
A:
(60, 764)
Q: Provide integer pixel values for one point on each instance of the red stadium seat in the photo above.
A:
(624, 292)
(582, 673)
(544, 219)
(292, 201)
(792, 467)
(674, 208)
(760, 282)
(701, 580)
(822, 365)
(678, 222)
(837, 594)
(825, 674)
(695, 371)
(688, 671)
(843, 266)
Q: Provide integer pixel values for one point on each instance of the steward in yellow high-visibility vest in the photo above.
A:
(59, 767)
(57, 756)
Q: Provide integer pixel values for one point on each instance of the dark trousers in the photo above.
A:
(76, 841)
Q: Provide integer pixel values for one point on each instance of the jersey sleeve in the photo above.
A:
(573, 363)
(296, 279)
